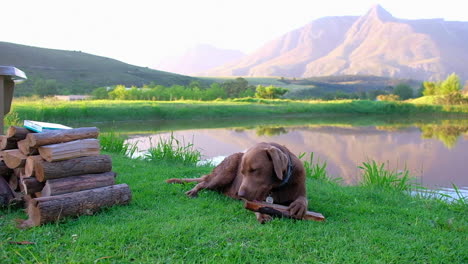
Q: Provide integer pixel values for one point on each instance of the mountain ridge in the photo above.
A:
(373, 44)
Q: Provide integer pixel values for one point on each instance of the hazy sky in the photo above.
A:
(141, 32)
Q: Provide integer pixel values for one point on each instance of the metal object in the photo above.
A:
(9, 76)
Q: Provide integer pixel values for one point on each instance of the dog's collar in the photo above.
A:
(288, 173)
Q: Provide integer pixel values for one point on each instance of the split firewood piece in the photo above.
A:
(78, 183)
(13, 158)
(30, 185)
(7, 143)
(17, 133)
(30, 165)
(70, 150)
(61, 136)
(23, 146)
(279, 210)
(44, 170)
(53, 208)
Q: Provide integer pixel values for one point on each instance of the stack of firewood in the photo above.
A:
(57, 174)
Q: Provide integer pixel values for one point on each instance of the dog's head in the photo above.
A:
(263, 168)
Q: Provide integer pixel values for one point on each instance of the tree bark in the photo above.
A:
(70, 150)
(13, 158)
(17, 133)
(279, 210)
(6, 194)
(78, 183)
(44, 170)
(61, 136)
(7, 143)
(23, 146)
(53, 208)
(30, 185)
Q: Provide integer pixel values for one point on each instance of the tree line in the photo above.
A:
(237, 88)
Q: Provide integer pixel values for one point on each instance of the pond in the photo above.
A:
(434, 151)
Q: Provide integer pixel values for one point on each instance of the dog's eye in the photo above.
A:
(252, 170)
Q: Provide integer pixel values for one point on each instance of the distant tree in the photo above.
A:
(100, 93)
(404, 91)
(43, 87)
(450, 85)
(420, 90)
(118, 93)
(430, 88)
(235, 87)
(269, 92)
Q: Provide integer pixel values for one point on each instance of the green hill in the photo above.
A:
(78, 72)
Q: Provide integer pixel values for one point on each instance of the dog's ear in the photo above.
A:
(279, 160)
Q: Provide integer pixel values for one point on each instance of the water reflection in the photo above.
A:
(435, 154)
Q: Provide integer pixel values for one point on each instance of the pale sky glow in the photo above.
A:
(142, 32)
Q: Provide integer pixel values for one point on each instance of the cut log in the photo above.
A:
(13, 158)
(4, 170)
(30, 165)
(279, 210)
(23, 146)
(7, 143)
(6, 194)
(53, 208)
(78, 183)
(14, 179)
(61, 136)
(70, 150)
(17, 133)
(31, 185)
(44, 170)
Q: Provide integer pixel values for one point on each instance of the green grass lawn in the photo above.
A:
(364, 225)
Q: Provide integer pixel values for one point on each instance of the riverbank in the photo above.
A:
(162, 225)
(108, 110)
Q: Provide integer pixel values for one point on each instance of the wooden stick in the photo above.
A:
(70, 150)
(78, 183)
(61, 136)
(53, 208)
(44, 170)
(279, 210)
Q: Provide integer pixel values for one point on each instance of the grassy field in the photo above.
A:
(162, 225)
(52, 110)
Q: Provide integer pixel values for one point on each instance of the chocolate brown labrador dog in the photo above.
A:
(265, 171)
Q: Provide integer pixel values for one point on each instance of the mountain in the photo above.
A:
(374, 44)
(80, 72)
(199, 59)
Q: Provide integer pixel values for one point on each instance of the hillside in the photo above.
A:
(199, 59)
(374, 44)
(79, 72)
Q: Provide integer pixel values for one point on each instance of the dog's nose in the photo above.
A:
(241, 193)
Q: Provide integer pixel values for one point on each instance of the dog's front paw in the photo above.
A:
(298, 208)
(263, 218)
(192, 193)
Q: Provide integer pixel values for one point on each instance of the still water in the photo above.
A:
(436, 154)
